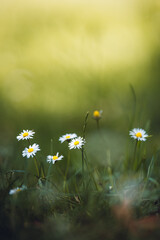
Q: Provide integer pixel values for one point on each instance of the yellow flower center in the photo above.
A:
(96, 114)
(25, 134)
(139, 134)
(67, 136)
(76, 142)
(18, 190)
(55, 157)
(30, 150)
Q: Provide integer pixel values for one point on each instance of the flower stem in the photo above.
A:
(35, 162)
(83, 168)
(85, 125)
(97, 120)
(90, 172)
(50, 165)
(84, 133)
(36, 165)
(66, 172)
(109, 169)
(134, 156)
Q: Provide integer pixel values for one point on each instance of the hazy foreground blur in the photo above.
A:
(60, 59)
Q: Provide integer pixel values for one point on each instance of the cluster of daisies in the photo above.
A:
(32, 149)
(73, 142)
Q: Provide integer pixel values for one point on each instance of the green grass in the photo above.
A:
(89, 196)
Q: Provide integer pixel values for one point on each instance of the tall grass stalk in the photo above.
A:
(84, 134)
(109, 170)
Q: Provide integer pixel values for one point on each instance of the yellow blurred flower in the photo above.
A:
(97, 114)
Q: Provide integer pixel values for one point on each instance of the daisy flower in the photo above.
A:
(16, 190)
(97, 114)
(139, 134)
(54, 158)
(76, 143)
(26, 134)
(31, 151)
(67, 137)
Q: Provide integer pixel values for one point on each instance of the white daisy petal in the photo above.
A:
(26, 134)
(16, 190)
(53, 158)
(49, 158)
(138, 134)
(67, 137)
(31, 151)
(76, 143)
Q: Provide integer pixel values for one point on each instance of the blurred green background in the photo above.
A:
(60, 59)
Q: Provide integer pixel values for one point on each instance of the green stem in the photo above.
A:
(26, 171)
(66, 172)
(89, 172)
(85, 125)
(36, 165)
(83, 168)
(109, 169)
(84, 133)
(135, 157)
(43, 173)
(50, 164)
(98, 128)
(35, 162)
(48, 173)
